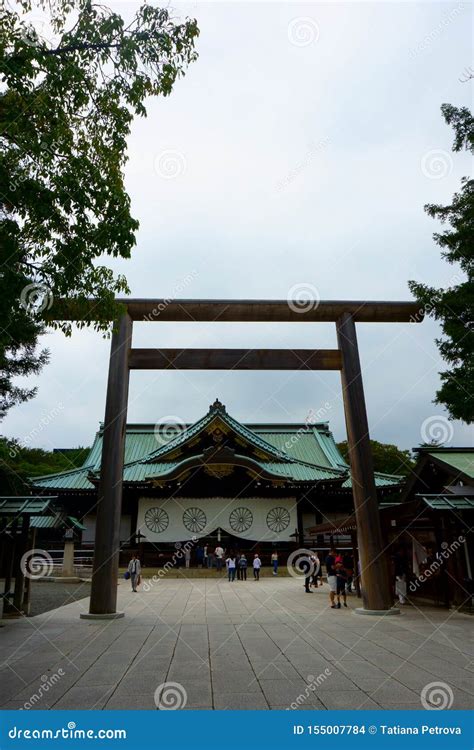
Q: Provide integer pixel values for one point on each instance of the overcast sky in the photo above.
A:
(296, 154)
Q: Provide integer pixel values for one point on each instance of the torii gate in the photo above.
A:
(376, 592)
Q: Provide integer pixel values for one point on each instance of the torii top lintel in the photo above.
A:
(253, 310)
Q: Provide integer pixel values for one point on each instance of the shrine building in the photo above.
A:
(248, 486)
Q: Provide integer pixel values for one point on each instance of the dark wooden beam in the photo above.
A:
(161, 310)
(235, 359)
(376, 593)
(109, 506)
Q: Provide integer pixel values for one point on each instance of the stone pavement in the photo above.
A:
(241, 645)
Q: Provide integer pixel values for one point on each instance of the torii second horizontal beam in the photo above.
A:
(235, 359)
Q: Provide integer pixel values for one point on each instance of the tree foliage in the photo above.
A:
(18, 463)
(66, 107)
(454, 305)
(388, 459)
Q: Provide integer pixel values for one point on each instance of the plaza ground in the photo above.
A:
(241, 645)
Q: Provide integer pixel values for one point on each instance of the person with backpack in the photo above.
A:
(242, 567)
(134, 569)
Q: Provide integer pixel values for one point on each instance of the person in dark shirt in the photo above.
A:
(341, 581)
(331, 576)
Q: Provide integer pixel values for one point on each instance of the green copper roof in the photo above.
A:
(295, 452)
(448, 502)
(26, 505)
(462, 461)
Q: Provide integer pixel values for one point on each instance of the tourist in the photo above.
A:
(219, 555)
(230, 562)
(199, 555)
(242, 567)
(134, 568)
(305, 565)
(341, 581)
(331, 576)
(257, 564)
(187, 556)
(317, 570)
(400, 564)
(348, 562)
(275, 562)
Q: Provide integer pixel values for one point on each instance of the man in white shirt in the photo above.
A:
(134, 568)
(219, 553)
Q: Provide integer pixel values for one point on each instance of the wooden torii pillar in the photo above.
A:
(123, 358)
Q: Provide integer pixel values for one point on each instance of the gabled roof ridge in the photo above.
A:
(216, 411)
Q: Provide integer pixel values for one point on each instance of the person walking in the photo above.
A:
(306, 566)
(199, 555)
(134, 568)
(317, 570)
(400, 565)
(341, 581)
(257, 564)
(205, 556)
(187, 557)
(275, 562)
(243, 567)
(348, 562)
(219, 555)
(331, 576)
(230, 562)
